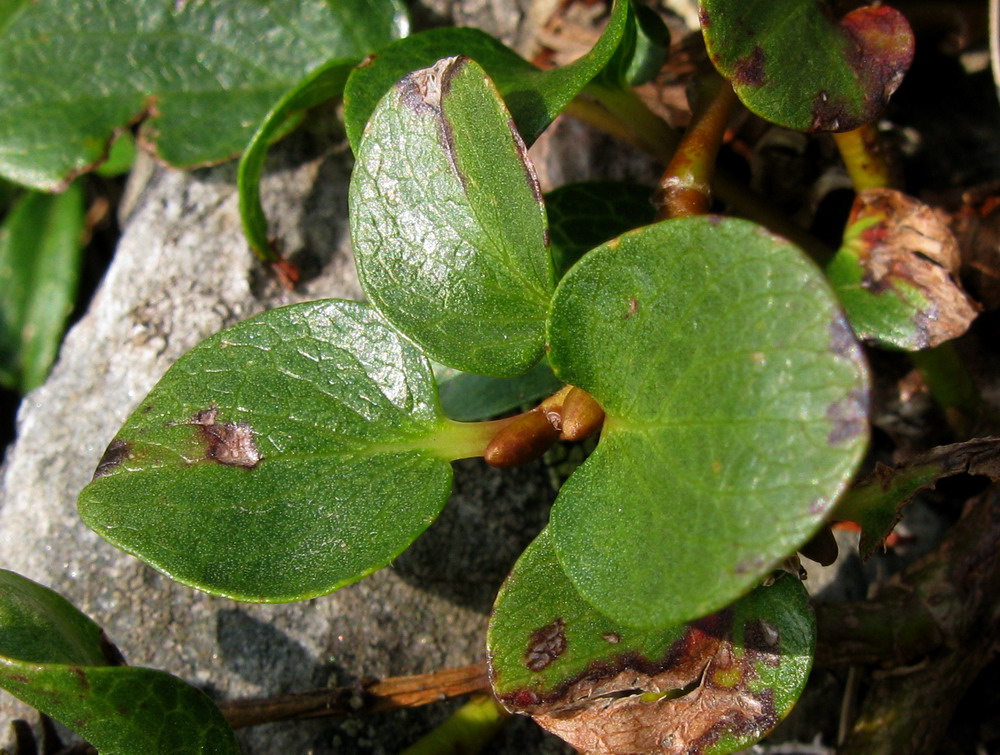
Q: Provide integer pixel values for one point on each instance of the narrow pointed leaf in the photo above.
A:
(736, 414)
(73, 73)
(715, 685)
(41, 243)
(535, 97)
(56, 659)
(280, 459)
(448, 225)
(325, 83)
(794, 65)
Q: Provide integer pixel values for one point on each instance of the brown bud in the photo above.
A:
(581, 415)
(523, 440)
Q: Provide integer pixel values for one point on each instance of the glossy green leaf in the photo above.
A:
(282, 458)
(897, 274)
(72, 73)
(38, 625)
(736, 401)
(325, 83)
(469, 398)
(41, 243)
(585, 215)
(448, 225)
(651, 47)
(794, 65)
(535, 97)
(56, 659)
(716, 685)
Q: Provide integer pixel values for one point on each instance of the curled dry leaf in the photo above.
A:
(903, 246)
(876, 502)
(704, 691)
(977, 227)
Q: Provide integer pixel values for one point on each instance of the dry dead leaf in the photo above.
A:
(908, 242)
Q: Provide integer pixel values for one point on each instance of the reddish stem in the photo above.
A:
(685, 188)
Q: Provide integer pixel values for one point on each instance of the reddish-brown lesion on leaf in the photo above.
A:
(879, 49)
(230, 443)
(700, 692)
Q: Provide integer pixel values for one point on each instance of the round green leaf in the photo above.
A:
(280, 459)
(448, 224)
(736, 401)
(56, 659)
(792, 64)
(74, 72)
(718, 684)
(535, 97)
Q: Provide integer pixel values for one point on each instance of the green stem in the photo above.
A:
(863, 156)
(621, 113)
(467, 440)
(684, 189)
(466, 732)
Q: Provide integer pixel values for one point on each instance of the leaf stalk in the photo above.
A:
(685, 188)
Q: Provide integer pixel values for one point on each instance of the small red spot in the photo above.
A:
(524, 698)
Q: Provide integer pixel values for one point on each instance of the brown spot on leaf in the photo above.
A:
(750, 70)
(229, 443)
(116, 453)
(831, 113)
(633, 308)
(611, 637)
(421, 90)
(546, 645)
